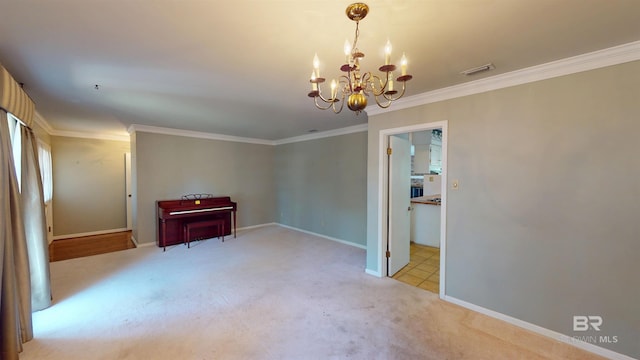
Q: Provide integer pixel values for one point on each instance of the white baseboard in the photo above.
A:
(540, 330)
(256, 226)
(91, 233)
(372, 272)
(324, 236)
(145, 245)
(138, 245)
(135, 242)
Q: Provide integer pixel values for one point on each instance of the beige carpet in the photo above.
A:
(272, 293)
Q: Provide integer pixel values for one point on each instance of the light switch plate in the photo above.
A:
(455, 184)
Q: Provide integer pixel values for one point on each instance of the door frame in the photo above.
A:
(383, 205)
(127, 190)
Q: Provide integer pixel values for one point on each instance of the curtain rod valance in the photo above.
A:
(14, 99)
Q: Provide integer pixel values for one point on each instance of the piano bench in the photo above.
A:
(188, 227)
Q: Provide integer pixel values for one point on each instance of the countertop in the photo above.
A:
(427, 200)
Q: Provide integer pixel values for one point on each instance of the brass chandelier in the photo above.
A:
(355, 85)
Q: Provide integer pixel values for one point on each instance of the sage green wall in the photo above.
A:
(544, 225)
(168, 167)
(321, 186)
(89, 185)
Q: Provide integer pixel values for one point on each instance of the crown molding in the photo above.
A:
(585, 62)
(590, 61)
(195, 134)
(86, 135)
(212, 136)
(44, 124)
(324, 134)
(38, 119)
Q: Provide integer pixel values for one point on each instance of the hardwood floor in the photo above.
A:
(72, 248)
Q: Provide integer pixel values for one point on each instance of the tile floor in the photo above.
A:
(423, 269)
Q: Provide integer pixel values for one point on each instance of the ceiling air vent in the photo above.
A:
(478, 69)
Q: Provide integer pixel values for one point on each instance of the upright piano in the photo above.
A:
(174, 214)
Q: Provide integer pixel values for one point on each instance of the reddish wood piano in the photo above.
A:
(174, 215)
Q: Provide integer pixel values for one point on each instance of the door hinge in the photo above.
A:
(388, 254)
(389, 151)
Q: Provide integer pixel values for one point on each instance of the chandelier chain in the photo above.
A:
(355, 41)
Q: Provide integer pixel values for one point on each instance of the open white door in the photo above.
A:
(127, 188)
(399, 203)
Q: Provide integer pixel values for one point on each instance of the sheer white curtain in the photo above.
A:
(46, 171)
(30, 185)
(14, 128)
(34, 217)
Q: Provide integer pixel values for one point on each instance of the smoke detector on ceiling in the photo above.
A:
(478, 69)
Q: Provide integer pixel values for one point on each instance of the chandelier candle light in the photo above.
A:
(357, 86)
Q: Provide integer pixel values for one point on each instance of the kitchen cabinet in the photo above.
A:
(427, 159)
(421, 159)
(425, 221)
(435, 158)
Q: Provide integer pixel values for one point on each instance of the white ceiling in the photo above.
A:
(241, 67)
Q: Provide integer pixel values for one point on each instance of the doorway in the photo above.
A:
(393, 209)
(127, 189)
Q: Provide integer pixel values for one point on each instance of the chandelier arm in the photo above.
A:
(384, 106)
(333, 105)
(368, 86)
(379, 81)
(315, 100)
(391, 98)
(365, 83)
(328, 101)
(366, 76)
(345, 81)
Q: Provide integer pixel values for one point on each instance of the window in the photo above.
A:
(46, 172)
(44, 159)
(16, 142)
